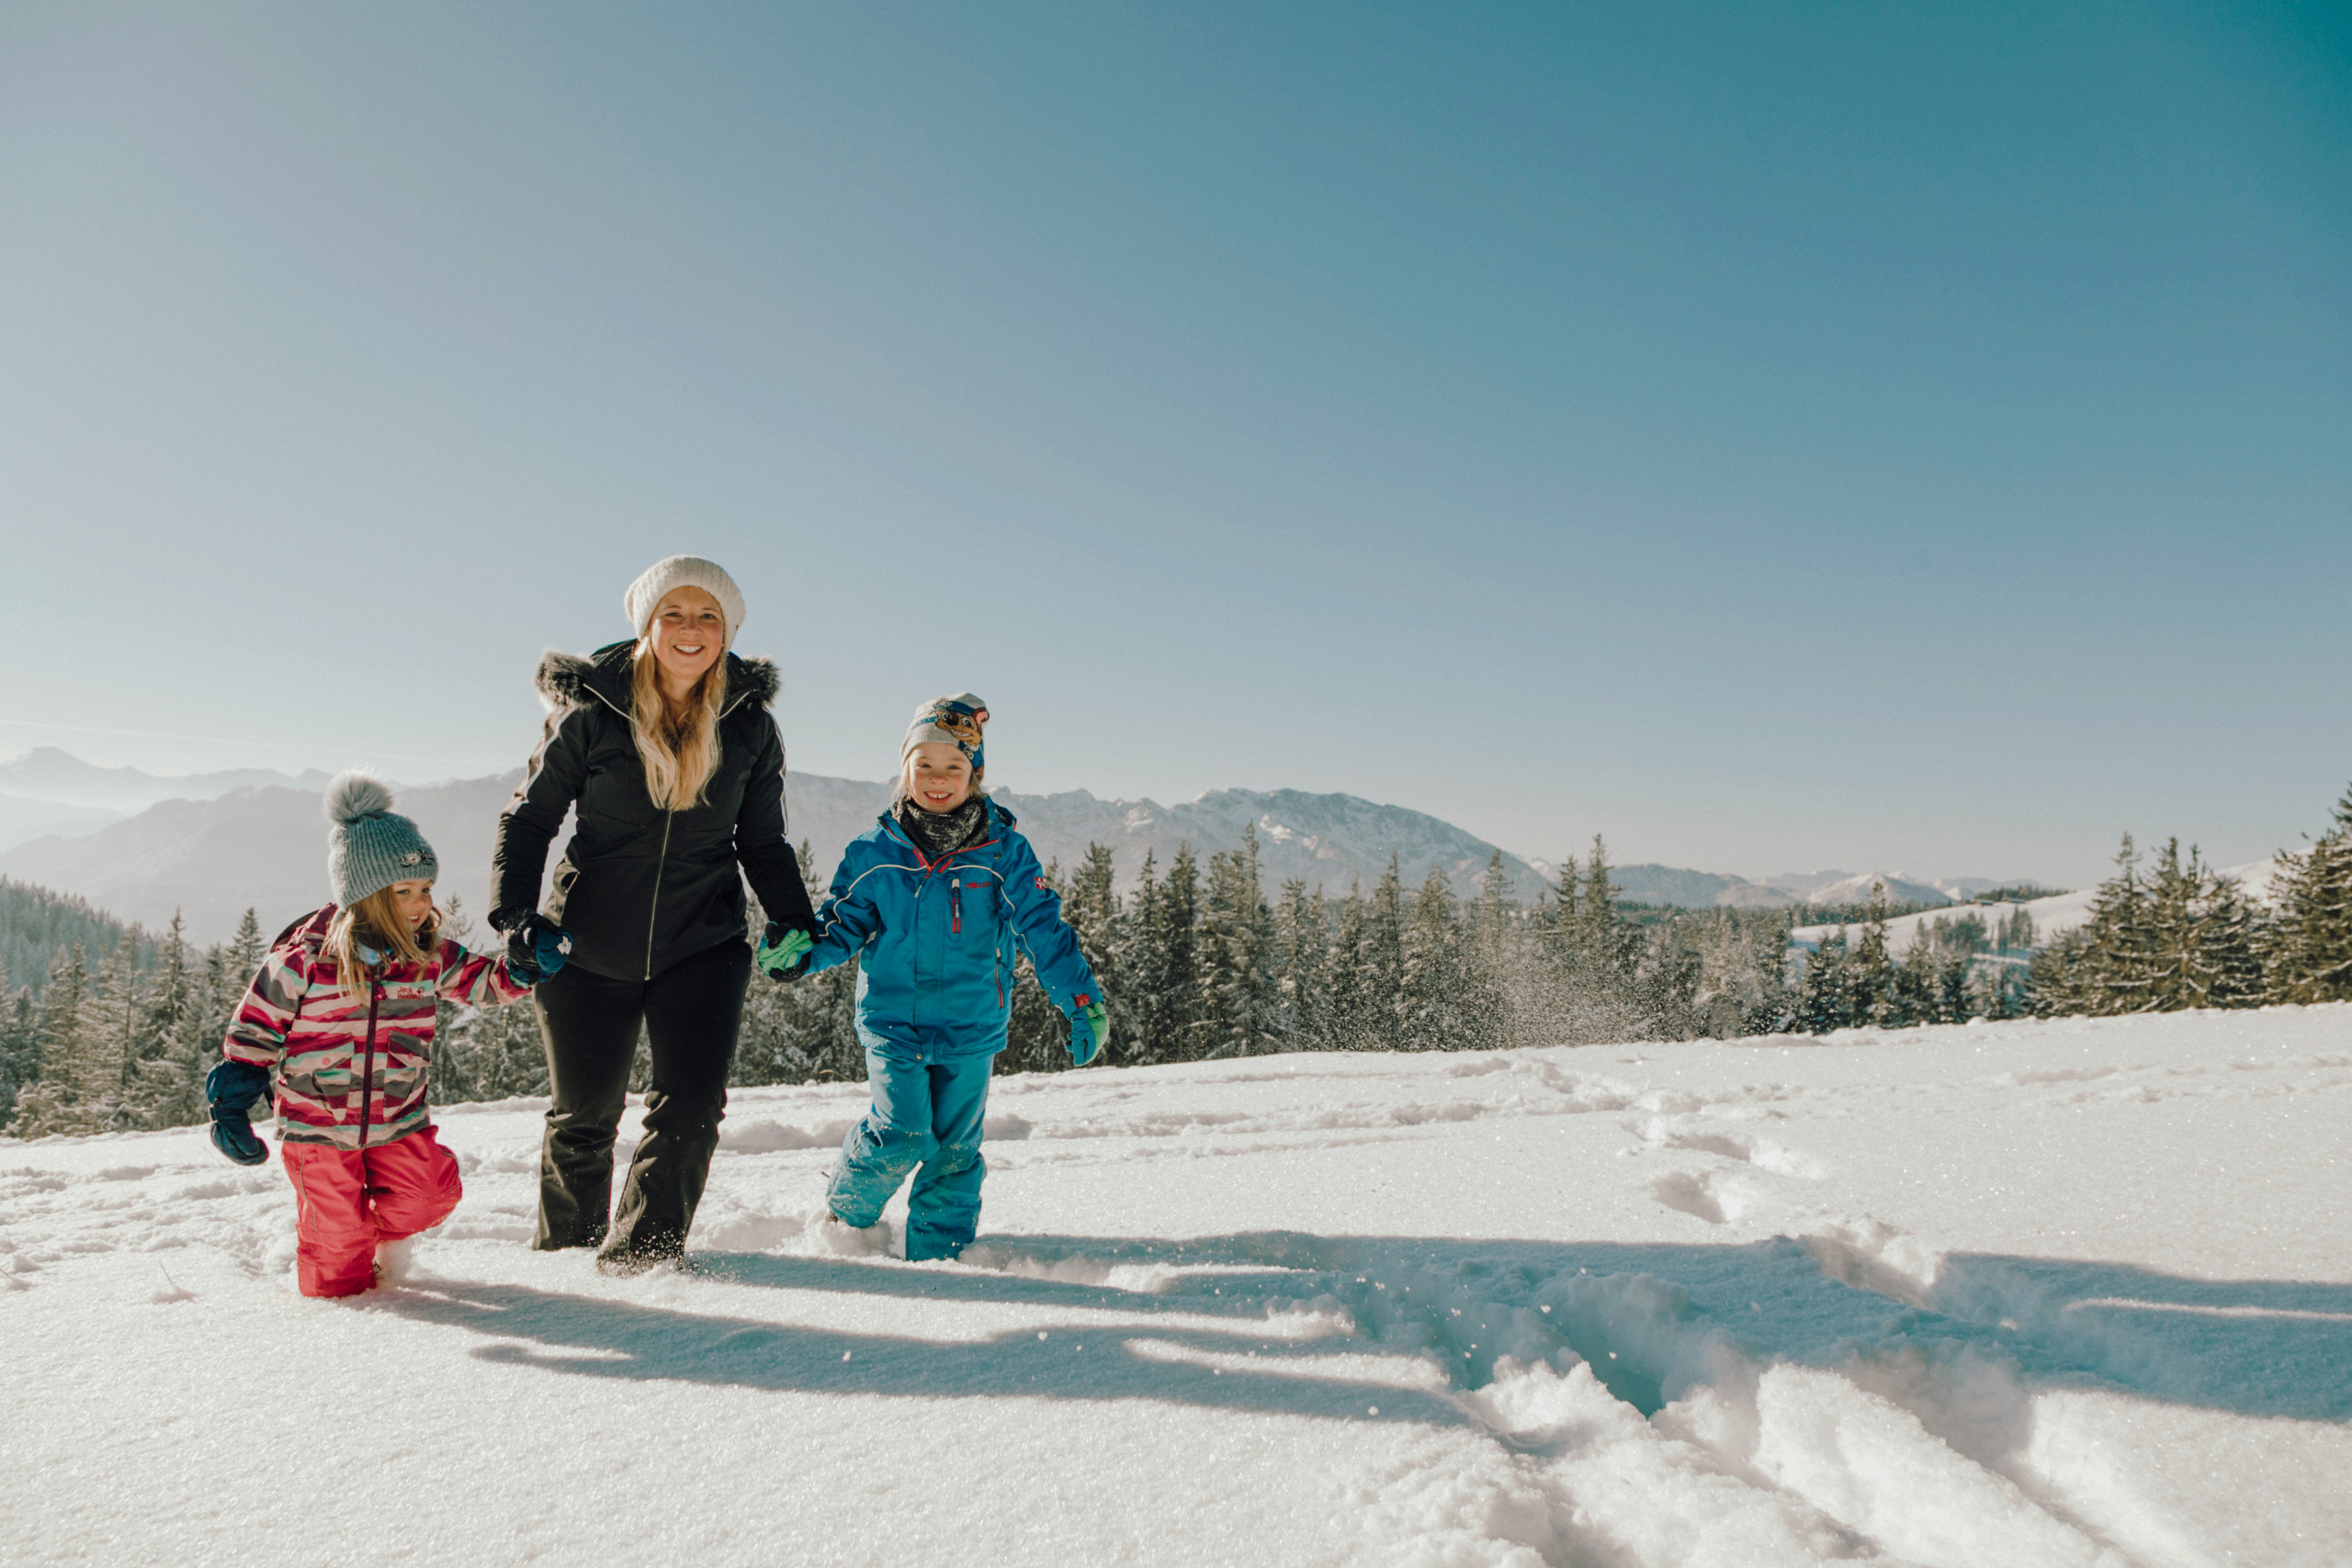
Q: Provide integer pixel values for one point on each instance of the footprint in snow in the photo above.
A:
(1687, 1194)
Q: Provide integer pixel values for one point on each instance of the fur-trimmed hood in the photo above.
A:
(567, 680)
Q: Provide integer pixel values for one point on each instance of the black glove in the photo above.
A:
(232, 1088)
(783, 953)
(536, 948)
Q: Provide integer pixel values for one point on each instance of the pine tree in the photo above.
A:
(172, 1052)
(1140, 967)
(1448, 1000)
(1597, 959)
(112, 1020)
(2308, 946)
(1491, 925)
(2203, 945)
(1869, 969)
(19, 1047)
(1093, 911)
(1377, 983)
(1743, 986)
(1352, 1013)
(1175, 940)
(1303, 961)
(1824, 1000)
(59, 1100)
(1237, 1008)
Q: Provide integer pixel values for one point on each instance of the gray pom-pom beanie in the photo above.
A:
(369, 845)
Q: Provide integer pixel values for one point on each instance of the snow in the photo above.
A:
(2067, 1291)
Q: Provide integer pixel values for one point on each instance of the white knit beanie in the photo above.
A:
(655, 583)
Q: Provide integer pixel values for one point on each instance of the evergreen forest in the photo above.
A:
(1200, 961)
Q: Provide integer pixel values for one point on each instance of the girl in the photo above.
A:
(338, 1025)
(665, 748)
(931, 903)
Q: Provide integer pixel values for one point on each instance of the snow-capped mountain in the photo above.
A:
(1854, 887)
(211, 844)
(1705, 890)
(267, 847)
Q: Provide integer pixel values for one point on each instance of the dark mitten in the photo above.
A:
(232, 1088)
(536, 948)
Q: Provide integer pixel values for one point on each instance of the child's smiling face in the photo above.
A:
(688, 633)
(412, 900)
(939, 777)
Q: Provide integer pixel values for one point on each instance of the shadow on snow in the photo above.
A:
(1654, 1321)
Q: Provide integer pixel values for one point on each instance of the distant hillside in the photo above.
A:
(212, 843)
(47, 774)
(21, 819)
(267, 847)
(263, 848)
(2052, 916)
(1706, 889)
(35, 923)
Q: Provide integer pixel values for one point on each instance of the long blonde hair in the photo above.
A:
(375, 922)
(679, 745)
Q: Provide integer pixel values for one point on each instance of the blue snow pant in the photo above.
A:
(926, 1114)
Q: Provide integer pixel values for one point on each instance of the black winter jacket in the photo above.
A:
(640, 887)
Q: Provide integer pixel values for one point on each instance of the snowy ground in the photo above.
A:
(2066, 1292)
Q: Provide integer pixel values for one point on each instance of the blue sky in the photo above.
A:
(1773, 437)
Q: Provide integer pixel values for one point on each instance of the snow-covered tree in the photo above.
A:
(1239, 1009)
(2307, 948)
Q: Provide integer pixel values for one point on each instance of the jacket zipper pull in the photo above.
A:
(955, 905)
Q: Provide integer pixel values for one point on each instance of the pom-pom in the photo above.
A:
(355, 795)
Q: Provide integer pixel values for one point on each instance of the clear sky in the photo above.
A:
(1775, 437)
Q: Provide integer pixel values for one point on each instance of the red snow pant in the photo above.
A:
(348, 1200)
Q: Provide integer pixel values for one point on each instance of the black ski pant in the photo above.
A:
(692, 1012)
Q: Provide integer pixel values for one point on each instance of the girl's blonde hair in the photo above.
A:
(679, 746)
(374, 922)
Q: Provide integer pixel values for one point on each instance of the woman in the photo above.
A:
(666, 749)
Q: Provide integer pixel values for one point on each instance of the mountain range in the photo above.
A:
(142, 846)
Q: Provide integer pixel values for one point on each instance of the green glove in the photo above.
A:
(1089, 1030)
(782, 952)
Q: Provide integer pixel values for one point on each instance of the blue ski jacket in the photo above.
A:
(935, 942)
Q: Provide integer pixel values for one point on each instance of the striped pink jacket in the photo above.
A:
(348, 1067)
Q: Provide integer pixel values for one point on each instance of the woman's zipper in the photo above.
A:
(653, 912)
(368, 1060)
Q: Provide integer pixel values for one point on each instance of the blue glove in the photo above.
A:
(1089, 1030)
(231, 1089)
(783, 954)
(536, 948)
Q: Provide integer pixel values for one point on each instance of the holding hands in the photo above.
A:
(783, 954)
(536, 948)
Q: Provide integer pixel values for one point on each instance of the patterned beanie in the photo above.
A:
(655, 582)
(369, 846)
(951, 721)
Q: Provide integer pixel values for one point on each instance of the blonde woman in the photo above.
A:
(665, 748)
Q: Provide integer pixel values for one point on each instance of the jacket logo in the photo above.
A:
(1041, 883)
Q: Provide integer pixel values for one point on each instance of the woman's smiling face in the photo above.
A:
(688, 633)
